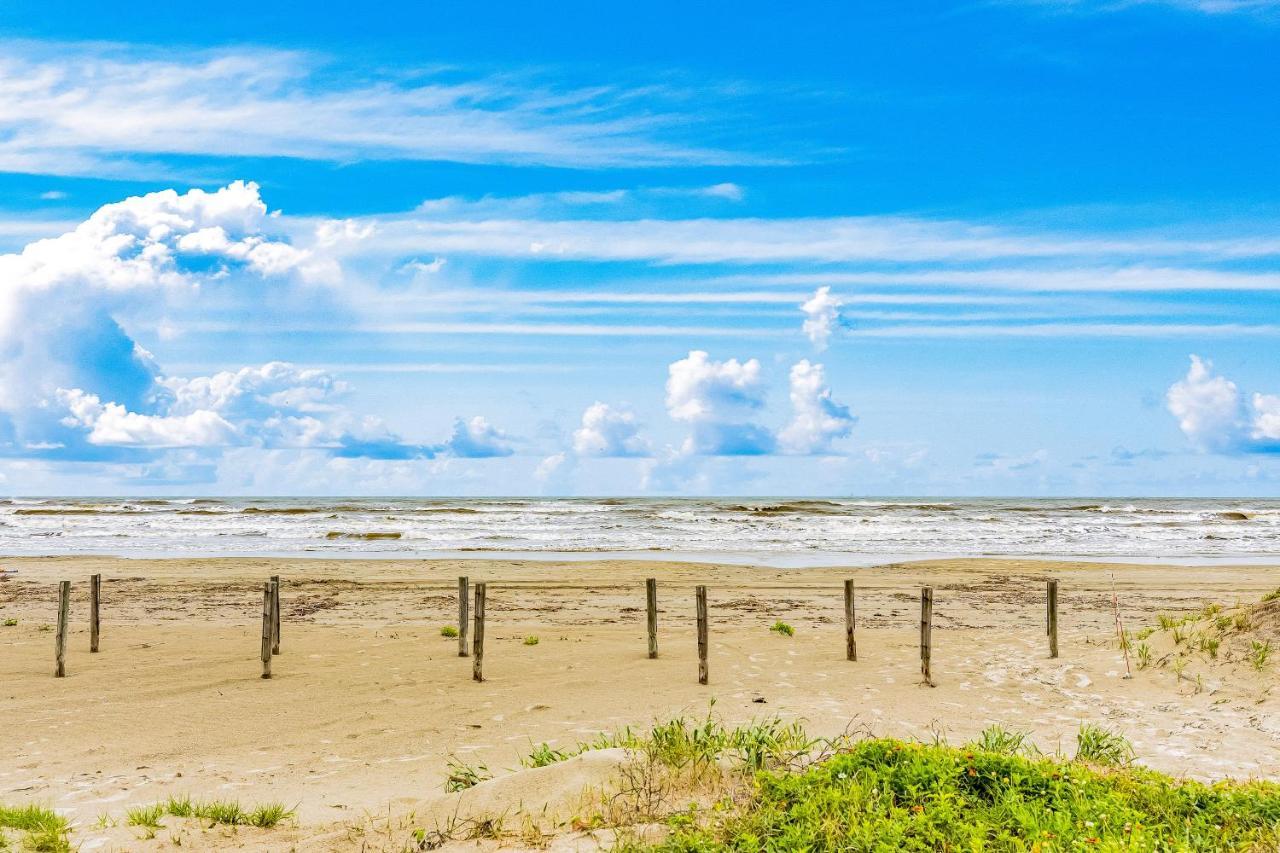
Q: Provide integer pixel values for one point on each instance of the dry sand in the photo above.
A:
(369, 703)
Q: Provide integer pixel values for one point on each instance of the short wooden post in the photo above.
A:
(477, 640)
(651, 606)
(926, 633)
(1052, 623)
(275, 614)
(268, 620)
(60, 642)
(463, 584)
(95, 595)
(850, 642)
(701, 595)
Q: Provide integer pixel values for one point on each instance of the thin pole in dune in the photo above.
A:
(95, 625)
(651, 607)
(850, 641)
(926, 634)
(1051, 627)
(700, 595)
(477, 641)
(275, 614)
(463, 588)
(60, 642)
(268, 619)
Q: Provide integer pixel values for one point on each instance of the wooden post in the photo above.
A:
(926, 633)
(60, 642)
(463, 584)
(1052, 626)
(850, 642)
(701, 595)
(268, 621)
(651, 605)
(95, 595)
(275, 614)
(477, 649)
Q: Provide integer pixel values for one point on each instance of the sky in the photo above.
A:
(1013, 247)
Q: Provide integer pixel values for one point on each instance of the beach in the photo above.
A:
(369, 704)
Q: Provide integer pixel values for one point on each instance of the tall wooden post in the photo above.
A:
(463, 590)
(275, 614)
(701, 595)
(926, 634)
(60, 642)
(1052, 622)
(95, 596)
(850, 642)
(651, 607)
(477, 648)
(268, 620)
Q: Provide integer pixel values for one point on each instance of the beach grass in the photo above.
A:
(448, 631)
(215, 812)
(38, 829)
(782, 628)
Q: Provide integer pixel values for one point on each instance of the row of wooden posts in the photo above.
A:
(475, 620)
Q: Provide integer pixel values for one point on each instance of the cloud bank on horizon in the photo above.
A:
(249, 269)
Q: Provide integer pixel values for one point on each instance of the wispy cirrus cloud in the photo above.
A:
(80, 109)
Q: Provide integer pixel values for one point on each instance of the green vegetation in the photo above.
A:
(224, 812)
(889, 795)
(1271, 596)
(41, 829)
(9, 623)
(146, 816)
(1097, 745)
(531, 640)
(462, 776)
(543, 755)
(782, 628)
(1259, 654)
(449, 631)
(998, 739)
(1144, 655)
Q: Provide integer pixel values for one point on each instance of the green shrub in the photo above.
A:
(1098, 745)
(449, 631)
(782, 628)
(43, 829)
(1259, 654)
(998, 739)
(9, 623)
(531, 640)
(543, 755)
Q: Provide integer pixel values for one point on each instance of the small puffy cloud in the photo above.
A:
(821, 317)
(111, 424)
(607, 431)
(718, 399)
(476, 438)
(1216, 417)
(818, 420)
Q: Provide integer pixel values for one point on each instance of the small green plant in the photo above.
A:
(543, 755)
(782, 628)
(1145, 632)
(1271, 596)
(9, 623)
(1180, 636)
(1209, 645)
(1165, 621)
(462, 776)
(1144, 655)
(1179, 665)
(448, 631)
(1098, 745)
(996, 738)
(45, 628)
(531, 640)
(146, 816)
(43, 829)
(1259, 654)
(1241, 622)
(269, 815)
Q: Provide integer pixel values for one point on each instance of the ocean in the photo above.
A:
(773, 531)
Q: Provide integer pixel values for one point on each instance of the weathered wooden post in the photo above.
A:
(477, 649)
(463, 584)
(701, 596)
(850, 642)
(60, 642)
(95, 595)
(268, 619)
(926, 633)
(1052, 622)
(275, 614)
(651, 606)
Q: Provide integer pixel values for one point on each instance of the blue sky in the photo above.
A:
(957, 248)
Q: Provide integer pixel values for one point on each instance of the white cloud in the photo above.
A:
(111, 424)
(821, 316)
(608, 431)
(76, 109)
(1212, 413)
(818, 419)
(718, 399)
(476, 438)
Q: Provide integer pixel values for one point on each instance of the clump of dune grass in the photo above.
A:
(1259, 653)
(1098, 745)
(9, 623)
(220, 812)
(883, 794)
(40, 829)
(996, 738)
(448, 631)
(782, 628)
(462, 776)
(531, 640)
(146, 816)
(543, 755)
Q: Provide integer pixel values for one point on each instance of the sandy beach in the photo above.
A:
(369, 703)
